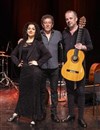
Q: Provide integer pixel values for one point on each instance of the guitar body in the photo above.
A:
(73, 70)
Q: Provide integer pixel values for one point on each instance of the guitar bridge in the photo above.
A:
(73, 71)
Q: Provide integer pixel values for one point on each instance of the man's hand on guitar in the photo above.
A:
(80, 46)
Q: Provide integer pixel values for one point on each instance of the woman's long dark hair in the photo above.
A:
(37, 34)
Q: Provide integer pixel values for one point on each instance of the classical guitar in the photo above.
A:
(72, 69)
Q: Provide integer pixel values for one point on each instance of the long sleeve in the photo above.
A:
(45, 54)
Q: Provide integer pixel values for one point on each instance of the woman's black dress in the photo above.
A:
(29, 89)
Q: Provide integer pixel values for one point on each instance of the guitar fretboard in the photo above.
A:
(79, 36)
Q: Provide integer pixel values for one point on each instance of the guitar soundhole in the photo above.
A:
(74, 58)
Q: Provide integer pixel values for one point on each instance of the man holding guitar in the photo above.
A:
(76, 41)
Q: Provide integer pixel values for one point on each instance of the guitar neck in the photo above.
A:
(79, 35)
(78, 40)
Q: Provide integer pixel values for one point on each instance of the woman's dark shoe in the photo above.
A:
(82, 123)
(32, 123)
(13, 117)
(68, 118)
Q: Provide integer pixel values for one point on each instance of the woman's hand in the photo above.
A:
(33, 62)
(20, 64)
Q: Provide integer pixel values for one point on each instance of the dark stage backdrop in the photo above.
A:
(15, 13)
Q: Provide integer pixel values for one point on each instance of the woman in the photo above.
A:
(29, 55)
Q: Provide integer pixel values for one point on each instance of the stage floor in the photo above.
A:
(8, 99)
